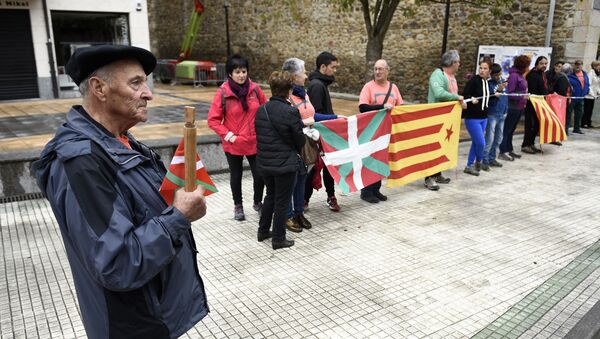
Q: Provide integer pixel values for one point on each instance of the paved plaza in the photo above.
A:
(511, 253)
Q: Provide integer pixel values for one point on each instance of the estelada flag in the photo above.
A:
(175, 178)
(424, 141)
(356, 149)
(551, 129)
(558, 103)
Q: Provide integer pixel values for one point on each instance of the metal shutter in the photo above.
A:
(18, 74)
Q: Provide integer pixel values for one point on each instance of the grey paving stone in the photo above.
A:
(423, 264)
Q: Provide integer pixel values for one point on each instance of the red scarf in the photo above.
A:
(241, 91)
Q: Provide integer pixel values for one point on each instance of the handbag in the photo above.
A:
(310, 151)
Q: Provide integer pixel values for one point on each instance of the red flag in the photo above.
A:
(558, 103)
(175, 178)
(551, 130)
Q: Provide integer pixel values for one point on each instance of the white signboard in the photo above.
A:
(14, 4)
(505, 55)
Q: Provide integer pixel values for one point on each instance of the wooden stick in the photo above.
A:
(189, 143)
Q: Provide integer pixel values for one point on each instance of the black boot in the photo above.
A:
(282, 244)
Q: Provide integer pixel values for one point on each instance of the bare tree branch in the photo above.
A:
(366, 15)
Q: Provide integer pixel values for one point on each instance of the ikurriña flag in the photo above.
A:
(356, 149)
(424, 141)
(551, 129)
(175, 178)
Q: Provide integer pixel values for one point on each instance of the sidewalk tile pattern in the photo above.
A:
(527, 312)
(424, 264)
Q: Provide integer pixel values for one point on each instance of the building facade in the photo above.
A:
(37, 37)
(269, 31)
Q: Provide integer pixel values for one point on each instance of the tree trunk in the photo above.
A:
(374, 53)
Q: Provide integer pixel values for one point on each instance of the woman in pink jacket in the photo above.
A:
(231, 116)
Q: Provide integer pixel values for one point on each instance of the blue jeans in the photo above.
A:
(296, 205)
(476, 129)
(493, 136)
(510, 124)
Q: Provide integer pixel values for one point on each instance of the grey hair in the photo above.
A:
(293, 66)
(566, 68)
(449, 57)
(104, 73)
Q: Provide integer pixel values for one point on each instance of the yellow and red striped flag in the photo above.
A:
(551, 129)
(175, 178)
(424, 141)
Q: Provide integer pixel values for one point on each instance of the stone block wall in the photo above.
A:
(269, 31)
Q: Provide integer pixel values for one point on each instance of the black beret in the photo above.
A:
(86, 60)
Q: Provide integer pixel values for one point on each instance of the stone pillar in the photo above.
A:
(586, 33)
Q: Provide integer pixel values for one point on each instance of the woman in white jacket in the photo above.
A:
(588, 102)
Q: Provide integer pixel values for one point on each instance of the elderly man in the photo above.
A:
(377, 94)
(132, 257)
(443, 87)
(580, 82)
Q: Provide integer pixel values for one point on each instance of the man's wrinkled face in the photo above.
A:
(381, 71)
(128, 93)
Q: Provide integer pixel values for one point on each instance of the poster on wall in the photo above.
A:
(505, 55)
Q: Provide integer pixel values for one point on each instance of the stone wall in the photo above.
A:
(269, 31)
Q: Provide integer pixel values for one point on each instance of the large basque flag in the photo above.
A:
(175, 178)
(356, 149)
(424, 141)
(551, 129)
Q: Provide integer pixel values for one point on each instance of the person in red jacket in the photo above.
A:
(231, 116)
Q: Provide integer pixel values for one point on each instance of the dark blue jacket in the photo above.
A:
(133, 258)
(498, 105)
(576, 85)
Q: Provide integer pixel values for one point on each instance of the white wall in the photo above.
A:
(139, 33)
(586, 34)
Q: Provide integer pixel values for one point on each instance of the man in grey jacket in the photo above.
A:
(133, 258)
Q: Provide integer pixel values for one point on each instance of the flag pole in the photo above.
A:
(189, 137)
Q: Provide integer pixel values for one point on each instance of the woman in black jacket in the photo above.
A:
(279, 140)
(475, 116)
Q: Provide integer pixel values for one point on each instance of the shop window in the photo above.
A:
(73, 30)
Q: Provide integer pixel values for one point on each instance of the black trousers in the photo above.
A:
(510, 124)
(235, 177)
(588, 108)
(275, 206)
(532, 126)
(370, 189)
(328, 182)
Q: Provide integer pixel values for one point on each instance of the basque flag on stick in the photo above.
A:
(186, 169)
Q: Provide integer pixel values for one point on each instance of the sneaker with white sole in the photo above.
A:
(431, 184)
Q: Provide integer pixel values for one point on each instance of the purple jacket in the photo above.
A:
(516, 84)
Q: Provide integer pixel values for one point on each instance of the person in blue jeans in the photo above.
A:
(496, 115)
(475, 115)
